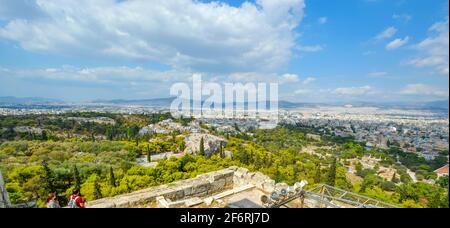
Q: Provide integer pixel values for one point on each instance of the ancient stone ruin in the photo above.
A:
(203, 190)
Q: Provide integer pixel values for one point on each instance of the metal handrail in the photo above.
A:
(325, 195)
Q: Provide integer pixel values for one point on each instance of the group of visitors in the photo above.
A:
(75, 200)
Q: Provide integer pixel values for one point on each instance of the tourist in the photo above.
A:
(76, 200)
(52, 202)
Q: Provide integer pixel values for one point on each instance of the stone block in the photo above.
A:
(268, 187)
(241, 172)
(203, 187)
(177, 204)
(259, 177)
(217, 185)
(223, 194)
(162, 202)
(122, 203)
(187, 191)
(193, 202)
(208, 201)
(102, 205)
(243, 188)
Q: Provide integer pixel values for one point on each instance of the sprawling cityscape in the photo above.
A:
(224, 104)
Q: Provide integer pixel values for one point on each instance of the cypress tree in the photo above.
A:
(97, 190)
(317, 177)
(331, 179)
(48, 178)
(221, 149)
(76, 177)
(363, 187)
(202, 147)
(394, 178)
(182, 146)
(112, 179)
(44, 136)
(149, 156)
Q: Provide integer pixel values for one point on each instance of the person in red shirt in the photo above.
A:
(76, 200)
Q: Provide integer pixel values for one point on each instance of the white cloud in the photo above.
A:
(302, 92)
(434, 50)
(323, 20)
(377, 74)
(397, 43)
(308, 80)
(289, 78)
(402, 17)
(354, 90)
(315, 48)
(180, 33)
(422, 89)
(387, 33)
(254, 77)
(98, 75)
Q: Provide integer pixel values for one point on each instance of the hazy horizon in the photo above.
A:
(318, 51)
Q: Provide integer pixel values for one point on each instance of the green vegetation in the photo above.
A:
(101, 160)
(103, 169)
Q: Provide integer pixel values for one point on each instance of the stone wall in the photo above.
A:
(201, 186)
(4, 199)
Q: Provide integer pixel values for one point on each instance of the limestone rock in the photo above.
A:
(208, 201)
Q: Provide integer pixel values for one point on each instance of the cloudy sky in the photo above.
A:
(318, 50)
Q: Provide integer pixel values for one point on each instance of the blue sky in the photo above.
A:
(318, 50)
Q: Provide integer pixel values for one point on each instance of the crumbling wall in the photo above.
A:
(243, 176)
(201, 186)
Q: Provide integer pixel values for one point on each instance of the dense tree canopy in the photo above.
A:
(103, 162)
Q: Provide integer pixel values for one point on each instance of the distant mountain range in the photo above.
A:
(145, 102)
(165, 102)
(10, 100)
(435, 105)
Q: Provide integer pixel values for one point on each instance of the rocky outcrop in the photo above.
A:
(211, 143)
(166, 127)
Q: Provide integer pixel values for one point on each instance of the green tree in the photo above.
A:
(221, 150)
(49, 178)
(149, 156)
(394, 178)
(317, 176)
(182, 146)
(435, 200)
(202, 147)
(331, 178)
(44, 136)
(76, 177)
(97, 190)
(112, 178)
(443, 182)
